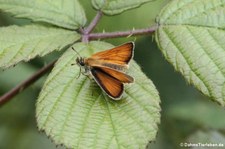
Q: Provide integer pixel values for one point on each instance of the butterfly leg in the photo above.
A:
(91, 85)
(79, 73)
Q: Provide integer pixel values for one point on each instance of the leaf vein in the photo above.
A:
(85, 121)
(113, 126)
(53, 108)
(205, 51)
(27, 7)
(205, 10)
(220, 47)
(185, 59)
(180, 8)
(141, 106)
(62, 69)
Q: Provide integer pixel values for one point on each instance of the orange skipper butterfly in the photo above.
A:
(108, 67)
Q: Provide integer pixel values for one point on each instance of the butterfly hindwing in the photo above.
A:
(113, 87)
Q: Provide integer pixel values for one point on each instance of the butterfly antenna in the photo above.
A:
(76, 52)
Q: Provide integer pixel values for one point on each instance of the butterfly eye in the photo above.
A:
(80, 61)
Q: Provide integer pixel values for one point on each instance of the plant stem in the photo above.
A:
(22, 86)
(90, 28)
(122, 33)
(93, 23)
(87, 35)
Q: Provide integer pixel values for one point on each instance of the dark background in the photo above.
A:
(187, 115)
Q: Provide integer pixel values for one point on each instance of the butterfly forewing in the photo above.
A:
(119, 55)
(113, 87)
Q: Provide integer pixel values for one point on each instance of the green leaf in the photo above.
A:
(112, 7)
(75, 111)
(67, 14)
(191, 36)
(196, 13)
(203, 114)
(24, 43)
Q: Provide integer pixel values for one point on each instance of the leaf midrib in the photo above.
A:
(112, 123)
(37, 38)
(40, 9)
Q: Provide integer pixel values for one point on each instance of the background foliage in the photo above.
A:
(185, 112)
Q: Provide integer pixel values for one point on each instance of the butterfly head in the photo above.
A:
(80, 61)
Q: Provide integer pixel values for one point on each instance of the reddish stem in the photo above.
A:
(20, 87)
(123, 33)
(90, 28)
